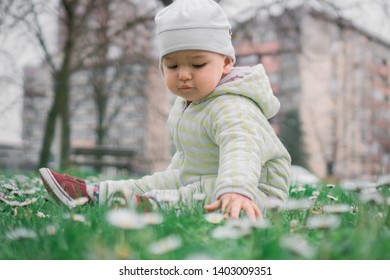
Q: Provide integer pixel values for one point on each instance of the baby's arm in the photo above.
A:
(231, 205)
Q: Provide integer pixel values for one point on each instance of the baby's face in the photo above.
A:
(194, 74)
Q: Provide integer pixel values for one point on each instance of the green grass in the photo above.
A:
(364, 232)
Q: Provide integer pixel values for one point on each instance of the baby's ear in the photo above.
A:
(227, 68)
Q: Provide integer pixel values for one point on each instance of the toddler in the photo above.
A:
(225, 146)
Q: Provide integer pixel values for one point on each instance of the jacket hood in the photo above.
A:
(250, 82)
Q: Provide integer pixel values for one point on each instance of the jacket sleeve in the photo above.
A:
(175, 162)
(168, 179)
(246, 142)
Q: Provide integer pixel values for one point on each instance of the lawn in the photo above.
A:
(324, 221)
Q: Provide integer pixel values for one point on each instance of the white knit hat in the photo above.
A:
(193, 25)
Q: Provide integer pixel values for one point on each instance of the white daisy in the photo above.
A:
(10, 186)
(273, 203)
(223, 232)
(297, 204)
(323, 222)
(243, 226)
(214, 217)
(125, 219)
(77, 218)
(332, 197)
(298, 245)
(42, 215)
(372, 196)
(261, 224)
(153, 218)
(17, 203)
(21, 233)
(357, 186)
(29, 191)
(51, 230)
(239, 223)
(165, 245)
(316, 193)
(28, 201)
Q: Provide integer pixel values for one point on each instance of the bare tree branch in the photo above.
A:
(39, 35)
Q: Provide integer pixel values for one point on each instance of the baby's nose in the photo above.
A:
(184, 74)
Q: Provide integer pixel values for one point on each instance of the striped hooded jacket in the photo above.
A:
(225, 143)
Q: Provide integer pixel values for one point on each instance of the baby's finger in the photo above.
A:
(236, 209)
(250, 211)
(257, 211)
(226, 205)
(213, 206)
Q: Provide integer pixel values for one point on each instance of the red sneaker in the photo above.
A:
(63, 188)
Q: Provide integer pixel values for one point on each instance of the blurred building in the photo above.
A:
(138, 110)
(11, 104)
(136, 114)
(337, 76)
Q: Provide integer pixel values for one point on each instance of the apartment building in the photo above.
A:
(135, 118)
(336, 76)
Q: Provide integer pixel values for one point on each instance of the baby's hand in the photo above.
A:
(231, 205)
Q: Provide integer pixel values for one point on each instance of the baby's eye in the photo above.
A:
(171, 66)
(198, 65)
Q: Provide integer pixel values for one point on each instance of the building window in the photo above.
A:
(248, 60)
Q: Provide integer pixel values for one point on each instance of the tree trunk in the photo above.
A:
(65, 120)
(50, 129)
(60, 107)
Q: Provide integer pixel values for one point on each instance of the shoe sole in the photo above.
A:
(54, 189)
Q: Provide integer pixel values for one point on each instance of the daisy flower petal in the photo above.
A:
(165, 245)
(323, 222)
(214, 217)
(21, 233)
(77, 218)
(125, 219)
(226, 232)
(297, 245)
(153, 218)
(337, 208)
(297, 204)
